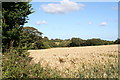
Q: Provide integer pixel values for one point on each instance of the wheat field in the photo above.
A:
(76, 62)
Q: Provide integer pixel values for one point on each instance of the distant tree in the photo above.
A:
(32, 30)
(96, 41)
(30, 38)
(92, 42)
(65, 43)
(117, 41)
(57, 40)
(52, 39)
(45, 39)
(67, 39)
(108, 42)
(46, 42)
(76, 42)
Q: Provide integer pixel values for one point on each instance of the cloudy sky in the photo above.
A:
(66, 19)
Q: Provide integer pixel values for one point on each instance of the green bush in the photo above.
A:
(16, 64)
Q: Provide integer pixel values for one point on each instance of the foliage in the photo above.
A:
(13, 63)
(30, 38)
(15, 14)
(65, 43)
(46, 43)
(76, 42)
(45, 39)
(39, 44)
(92, 42)
(117, 41)
(50, 43)
(16, 64)
(96, 41)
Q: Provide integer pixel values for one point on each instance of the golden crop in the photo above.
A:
(85, 62)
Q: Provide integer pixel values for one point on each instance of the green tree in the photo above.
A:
(76, 42)
(45, 39)
(15, 15)
(117, 41)
(30, 38)
(96, 41)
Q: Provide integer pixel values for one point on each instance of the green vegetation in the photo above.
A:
(16, 40)
(16, 64)
(117, 41)
(30, 38)
(74, 42)
(14, 17)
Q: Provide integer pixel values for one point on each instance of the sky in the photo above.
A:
(66, 19)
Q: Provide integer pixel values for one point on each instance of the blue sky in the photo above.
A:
(67, 19)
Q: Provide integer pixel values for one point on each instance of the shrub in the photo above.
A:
(16, 64)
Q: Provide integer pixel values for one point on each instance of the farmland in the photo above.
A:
(67, 39)
(74, 62)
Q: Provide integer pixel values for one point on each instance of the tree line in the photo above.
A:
(32, 39)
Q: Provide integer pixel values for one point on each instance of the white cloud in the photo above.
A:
(64, 6)
(103, 24)
(89, 22)
(41, 22)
